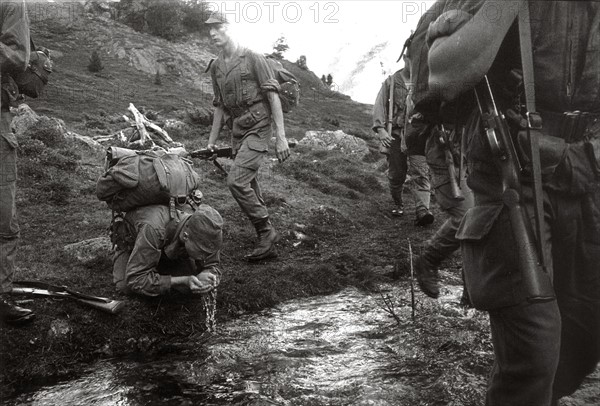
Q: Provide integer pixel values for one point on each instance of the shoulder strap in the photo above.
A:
(534, 125)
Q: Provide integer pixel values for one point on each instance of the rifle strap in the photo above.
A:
(534, 126)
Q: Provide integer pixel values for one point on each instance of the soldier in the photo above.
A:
(442, 136)
(246, 98)
(14, 57)
(543, 350)
(158, 254)
(390, 143)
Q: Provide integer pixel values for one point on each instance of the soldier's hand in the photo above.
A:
(282, 149)
(385, 138)
(204, 282)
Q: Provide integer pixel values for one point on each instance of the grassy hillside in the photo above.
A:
(332, 210)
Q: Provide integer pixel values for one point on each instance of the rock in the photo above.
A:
(89, 250)
(200, 115)
(24, 118)
(174, 125)
(336, 140)
(87, 146)
(59, 330)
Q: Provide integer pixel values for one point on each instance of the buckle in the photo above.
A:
(534, 120)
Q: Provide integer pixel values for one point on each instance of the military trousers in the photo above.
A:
(542, 351)
(243, 175)
(418, 182)
(444, 242)
(397, 169)
(9, 226)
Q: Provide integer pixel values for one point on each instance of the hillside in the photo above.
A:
(331, 207)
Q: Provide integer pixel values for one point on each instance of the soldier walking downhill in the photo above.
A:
(246, 98)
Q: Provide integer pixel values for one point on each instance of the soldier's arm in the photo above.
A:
(380, 108)
(216, 126)
(465, 46)
(282, 148)
(14, 36)
(142, 276)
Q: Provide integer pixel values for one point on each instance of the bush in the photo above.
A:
(95, 64)
(49, 131)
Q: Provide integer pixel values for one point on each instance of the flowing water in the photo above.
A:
(331, 350)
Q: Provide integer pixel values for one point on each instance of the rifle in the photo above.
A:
(445, 142)
(388, 127)
(536, 280)
(212, 155)
(222, 152)
(46, 289)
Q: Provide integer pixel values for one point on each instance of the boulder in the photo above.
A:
(24, 118)
(89, 251)
(336, 140)
(90, 149)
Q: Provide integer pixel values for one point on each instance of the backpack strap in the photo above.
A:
(245, 70)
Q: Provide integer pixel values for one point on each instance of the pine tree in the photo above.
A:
(95, 64)
(157, 78)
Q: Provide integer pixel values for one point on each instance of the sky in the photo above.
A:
(357, 41)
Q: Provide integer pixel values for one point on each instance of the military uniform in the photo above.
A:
(444, 242)
(14, 56)
(543, 351)
(157, 253)
(239, 88)
(396, 158)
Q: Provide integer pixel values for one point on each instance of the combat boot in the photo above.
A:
(13, 314)
(267, 238)
(427, 277)
(423, 217)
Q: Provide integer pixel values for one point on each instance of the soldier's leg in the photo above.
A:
(398, 167)
(526, 340)
(418, 174)
(9, 227)
(243, 184)
(576, 255)
(444, 241)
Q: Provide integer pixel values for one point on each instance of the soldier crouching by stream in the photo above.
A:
(157, 254)
(247, 99)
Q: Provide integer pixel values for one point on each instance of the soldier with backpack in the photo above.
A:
(540, 62)
(158, 254)
(14, 57)
(247, 99)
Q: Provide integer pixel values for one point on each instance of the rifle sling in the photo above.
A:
(534, 125)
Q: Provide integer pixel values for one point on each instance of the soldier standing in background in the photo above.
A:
(383, 121)
(14, 57)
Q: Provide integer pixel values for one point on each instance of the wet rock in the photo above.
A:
(89, 251)
(59, 330)
(336, 140)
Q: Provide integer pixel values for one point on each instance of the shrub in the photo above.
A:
(95, 64)
(49, 131)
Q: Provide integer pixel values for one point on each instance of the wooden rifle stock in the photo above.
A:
(45, 289)
(535, 278)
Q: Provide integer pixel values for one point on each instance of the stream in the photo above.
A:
(327, 350)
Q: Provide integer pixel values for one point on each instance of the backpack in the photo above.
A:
(140, 178)
(289, 87)
(34, 79)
